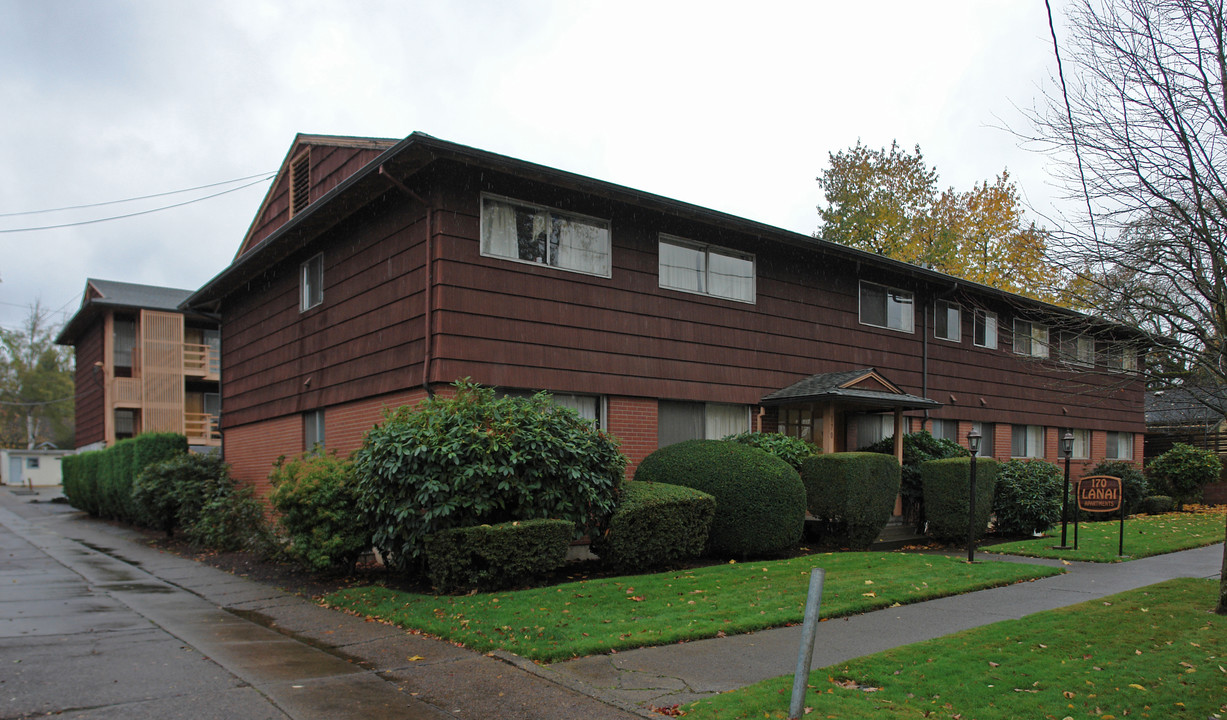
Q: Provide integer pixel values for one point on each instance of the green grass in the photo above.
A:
(590, 616)
(1156, 652)
(1145, 535)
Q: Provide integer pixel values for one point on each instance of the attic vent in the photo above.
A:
(300, 183)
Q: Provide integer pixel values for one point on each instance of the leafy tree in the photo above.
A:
(1183, 471)
(36, 385)
(1139, 132)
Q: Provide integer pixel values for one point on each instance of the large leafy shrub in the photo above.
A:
(1132, 481)
(851, 495)
(316, 500)
(918, 447)
(655, 524)
(473, 459)
(209, 507)
(760, 501)
(791, 450)
(1182, 471)
(947, 485)
(490, 557)
(1028, 496)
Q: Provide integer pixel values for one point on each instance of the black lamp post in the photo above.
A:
(973, 444)
(1067, 448)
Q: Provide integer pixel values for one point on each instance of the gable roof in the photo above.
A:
(864, 387)
(1192, 406)
(102, 295)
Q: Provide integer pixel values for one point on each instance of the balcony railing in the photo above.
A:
(200, 361)
(126, 392)
(201, 429)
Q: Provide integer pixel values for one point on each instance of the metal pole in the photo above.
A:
(1121, 551)
(1077, 512)
(1065, 504)
(971, 514)
(805, 655)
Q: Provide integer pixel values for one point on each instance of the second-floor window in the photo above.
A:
(312, 285)
(706, 269)
(887, 307)
(946, 325)
(515, 230)
(1121, 357)
(985, 330)
(1030, 338)
(1078, 349)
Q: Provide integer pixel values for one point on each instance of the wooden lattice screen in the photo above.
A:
(162, 371)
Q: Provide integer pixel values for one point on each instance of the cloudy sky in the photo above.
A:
(729, 105)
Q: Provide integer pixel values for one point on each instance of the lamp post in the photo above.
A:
(1067, 448)
(973, 444)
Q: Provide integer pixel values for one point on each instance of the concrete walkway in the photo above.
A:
(95, 623)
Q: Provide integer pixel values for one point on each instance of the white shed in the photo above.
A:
(26, 468)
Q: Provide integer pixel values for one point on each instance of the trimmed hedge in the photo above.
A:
(1028, 496)
(101, 482)
(946, 485)
(1157, 505)
(490, 557)
(80, 473)
(655, 524)
(760, 500)
(316, 501)
(918, 447)
(851, 494)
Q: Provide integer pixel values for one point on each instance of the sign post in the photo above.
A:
(1102, 493)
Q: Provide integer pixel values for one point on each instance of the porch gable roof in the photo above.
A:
(863, 387)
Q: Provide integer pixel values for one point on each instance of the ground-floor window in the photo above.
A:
(871, 429)
(1027, 441)
(680, 421)
(988, 437)
(944, 429)
(801, 422)
(1082, 442)
(313, 429)
(1120, 446)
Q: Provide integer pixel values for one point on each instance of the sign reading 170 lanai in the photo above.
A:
(1099, 493)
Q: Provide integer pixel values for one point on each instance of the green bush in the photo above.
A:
(317, 509)
(77, 479)
(918, 447)
(655, 525)
(210, 508)
(491, 557)
(791, 450)
(1182, 472)
(1132, 481)
(473, 459)
(1157, 505)
(155, 494)
(115, 482)
(760, 501)
(149, 448)
(851, 495)
(1028, 496)
(947, 484)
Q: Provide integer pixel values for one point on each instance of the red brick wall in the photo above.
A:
(345, 425)
(633, 421)
(252, 449)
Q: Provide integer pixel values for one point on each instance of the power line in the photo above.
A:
(261, 176)
(134, 214)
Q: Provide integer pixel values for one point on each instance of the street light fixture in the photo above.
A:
(1067, 448)
(973, 444)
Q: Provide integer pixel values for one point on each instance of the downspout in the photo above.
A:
(428, 295)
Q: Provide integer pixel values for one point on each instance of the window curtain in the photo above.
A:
(730, 277)
(682, 267)
(724, 420)
(498, 231)
(580, 245)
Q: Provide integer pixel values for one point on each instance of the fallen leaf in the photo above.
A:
(1139, 687)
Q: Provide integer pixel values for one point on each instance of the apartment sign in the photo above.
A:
(1099, 493)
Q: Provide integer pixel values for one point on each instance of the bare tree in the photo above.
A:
(1140, 130)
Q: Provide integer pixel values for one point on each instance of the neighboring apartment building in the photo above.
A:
(142, 365)
(378, 271)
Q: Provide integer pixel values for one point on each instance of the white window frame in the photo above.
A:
(954, 325)
(989, 319)
(1036, 338)
(705, 283)
(311, 283)
(1033, 441)
(1118, 436)
(551, 214)
(890, 294)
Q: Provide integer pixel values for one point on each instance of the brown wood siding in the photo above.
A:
(90, 405)
(365, 339)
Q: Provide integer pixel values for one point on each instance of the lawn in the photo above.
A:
(590, 616)
(1156, 652)
(1145, 535)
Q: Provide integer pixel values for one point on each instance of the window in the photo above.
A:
(1077, 349)
(587, 407)
(1120, 446)
(1082, 442)
(946, 324)
(706, 269)
(801, 423)
(1121, 357)
(985, 331)
(944, 429)
(1027, 441)
(125, 341)
(312, 282)
(874, 428)
(988, 438)
(1030, 338)
(886, 307)
(313, 429)
(515, 230)
(680, 421)
(125, 424)
(31, 463)
(300, 183)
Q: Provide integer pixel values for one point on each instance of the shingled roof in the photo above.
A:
(101, 295)
(864, 387)
(1186, 407)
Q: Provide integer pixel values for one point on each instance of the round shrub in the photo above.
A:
(947, 485)
(1157, 505)
(474, 459)
(851, 494)
(1132, 481)
(1182, 472)
(491, 557)
(655, 524)
(791, 450)
(918, 447)
(1028, 496)
(760, 501)
(316, 501)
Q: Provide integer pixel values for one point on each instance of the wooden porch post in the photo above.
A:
(898, 511)
(828, 428)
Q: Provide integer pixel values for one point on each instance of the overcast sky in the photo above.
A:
(734, 106)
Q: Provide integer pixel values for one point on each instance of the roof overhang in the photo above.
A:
(863, 389)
